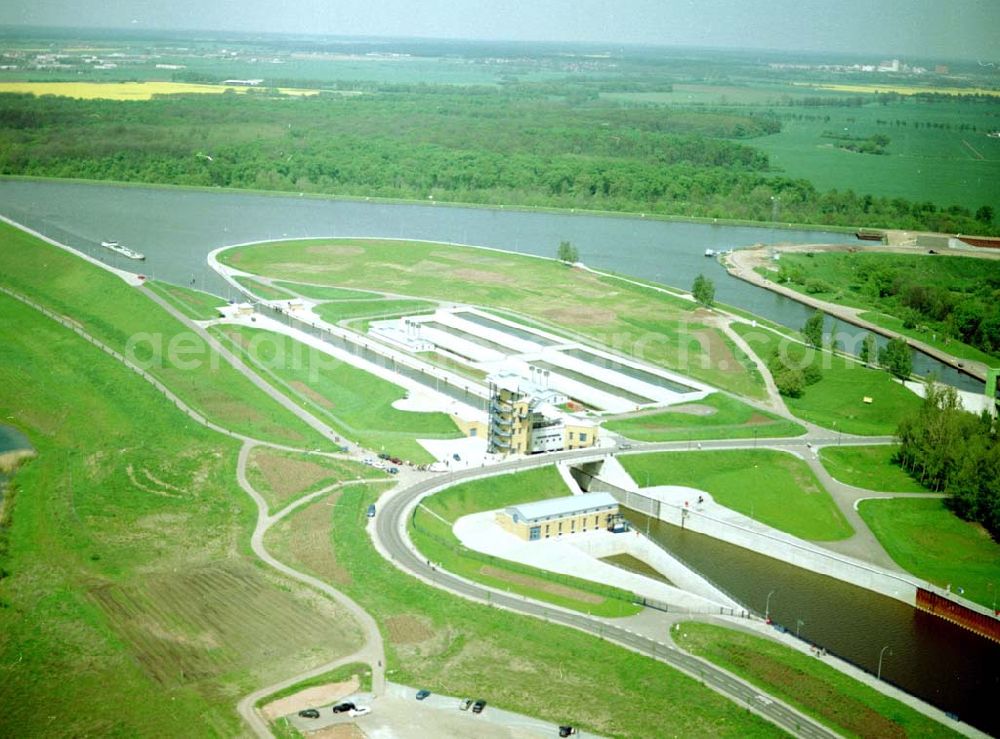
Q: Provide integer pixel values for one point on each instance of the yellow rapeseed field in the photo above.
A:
(128, 90)
(908, 90)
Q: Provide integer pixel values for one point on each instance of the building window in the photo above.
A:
(473, 431)
(595, 521)
(533, 533)
(583, 436)
(571, 436)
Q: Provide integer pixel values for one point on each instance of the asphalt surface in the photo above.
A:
(389, 533)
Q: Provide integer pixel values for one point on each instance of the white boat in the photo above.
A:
(123, 250)
(709, 253)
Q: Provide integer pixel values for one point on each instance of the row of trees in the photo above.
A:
(955, 452)
(470, 148)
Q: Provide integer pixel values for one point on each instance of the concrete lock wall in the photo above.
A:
(833, 565)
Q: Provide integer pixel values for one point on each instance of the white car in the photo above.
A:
(359, 711)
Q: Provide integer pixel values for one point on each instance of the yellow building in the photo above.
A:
(545, 519)
(524, 419)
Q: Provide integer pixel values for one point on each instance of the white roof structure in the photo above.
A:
(571, 505)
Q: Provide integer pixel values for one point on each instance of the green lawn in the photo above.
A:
(128, 321)
(837, 400)
(775, 488)
(128, 603)
(452, 646)
(842, 703)
(436, 541)
(356, 402)
(322, 292)
(730, 419)
(869, 467)
(195, 304)
(341, 310)
(923, 537)
(657, 327)
(281, 476)
(263, 290)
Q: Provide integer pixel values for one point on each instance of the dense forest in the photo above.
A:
(475, 145)
(955, 452)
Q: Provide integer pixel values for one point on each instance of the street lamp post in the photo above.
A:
(880, 655)
(767, 607)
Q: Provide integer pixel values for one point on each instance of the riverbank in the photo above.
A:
(743, 264)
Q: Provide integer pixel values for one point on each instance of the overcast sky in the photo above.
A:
(924, 28)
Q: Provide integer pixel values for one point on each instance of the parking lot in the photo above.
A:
(399, 714)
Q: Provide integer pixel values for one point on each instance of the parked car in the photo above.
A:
(421, 694)
(309, 713)
(457, 457)
(344, 707)
(464, 705)
(478, 706)
(360, 711)
(566, 731)
(393, 470)
(371, 511)
(383, 455)
(395, 460)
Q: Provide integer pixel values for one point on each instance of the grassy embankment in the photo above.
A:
(130, 606)
(341, 310)
(450, 645)
(126, 320)
(840, 702)
(836, 401)
(869, 467)
(652, 326)
(358, 404)
(195, 304)
(431, 531)
(772, 487)
(262, 289)
(880, 284)
(321, 292)
(283, 477)
(923, 537)
(716, 417)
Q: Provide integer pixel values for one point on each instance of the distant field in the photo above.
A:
(907, 89)
(131, 90)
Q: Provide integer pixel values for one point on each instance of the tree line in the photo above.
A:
(489, 148)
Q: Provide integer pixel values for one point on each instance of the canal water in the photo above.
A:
(177, 228)
(943, 664)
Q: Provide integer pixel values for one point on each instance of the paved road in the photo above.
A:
(389, 534)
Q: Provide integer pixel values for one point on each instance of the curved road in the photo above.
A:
(391, 540)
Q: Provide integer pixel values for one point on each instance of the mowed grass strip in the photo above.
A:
(775, 488)
(128, 321)
(262, 289)
(657, 327)
(282, 476)
(869, 467)
(341, 310)
(357, 403)
(923, 537)
(127, 597)
(716, 417)
(324, 292)
(837, 400)
(452, 646)
(431, 531)
(200, 306)
(844, 704)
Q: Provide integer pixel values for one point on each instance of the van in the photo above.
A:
(371, 511)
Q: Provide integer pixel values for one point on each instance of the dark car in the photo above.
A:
(478, 706)
(383, 455)
(343, 707)
(421, 694)
(457, 457)
(309, 713)
(395, 460)
(371, 511)
(566, 731)
(393, 470)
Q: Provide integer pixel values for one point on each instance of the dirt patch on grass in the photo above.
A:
(407, 629)
(693, 409)
(579, 315)
(309, 541)
(758, 419)
(536, 583)
(318, 695)
(482, 277)
(339, 731)
(334, 250)
(720, 355)
(285, 476)
(321, 400)
(189, 626)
